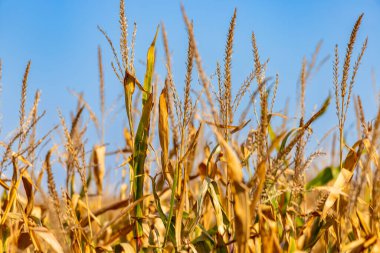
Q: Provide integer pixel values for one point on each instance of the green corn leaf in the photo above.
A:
(323, 177)
(150, 59)
(139, 155)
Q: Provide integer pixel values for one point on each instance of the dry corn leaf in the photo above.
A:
(363, 223)
(344, 176)
(355, 246)
(4, 185)
(22, 159)
(13, 190)
(372, 151)
(234, 168)
(98, 162)
(28, 186)
(49, 238)
(343, 179)
(128, 138)
(124, 248)
(129, 88)
(217, 207)
(242, 215)
(313, 229)
(268, 229)
(163, 134)
(24, 241)
(239, 191)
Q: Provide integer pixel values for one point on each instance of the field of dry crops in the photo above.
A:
(232, 176)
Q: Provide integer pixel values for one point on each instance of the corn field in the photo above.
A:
(214, 170)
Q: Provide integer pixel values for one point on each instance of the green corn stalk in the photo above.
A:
(141, 139)
(139, 155)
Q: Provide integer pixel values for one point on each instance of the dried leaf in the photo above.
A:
(13, 191)
(217, 207)
(344, 176)
(124, 248)
(240, 193)
(49, 238)
(28, 186)
(98, 162)
(163, 131)
(129, 88)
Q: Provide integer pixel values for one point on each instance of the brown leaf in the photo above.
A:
(28, 186)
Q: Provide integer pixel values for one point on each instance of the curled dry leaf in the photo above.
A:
(28, 186)
(163, 134)
(49, 238)
(344, 176)
(239, 191)
(98, 163)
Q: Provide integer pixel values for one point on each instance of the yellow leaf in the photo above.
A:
(28, 186)
(98, 162)
(234, 168)
(129, 88)
(49, 238)
(239, 191)
(150, 59)
(163, 131)
(344, 176)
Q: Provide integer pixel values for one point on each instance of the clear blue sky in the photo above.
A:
(61, 39)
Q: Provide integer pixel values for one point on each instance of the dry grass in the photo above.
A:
(210, 179)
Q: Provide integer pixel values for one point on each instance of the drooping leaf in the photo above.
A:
(163, 134)
(129, 88)
(217, 207)
(49, 238)
(98, 162)
(13, 189)
(240, 193)
(284, 141)
(344, 176)
(313, 230)
(28, 186)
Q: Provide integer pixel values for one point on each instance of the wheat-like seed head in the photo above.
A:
(227, 70)
(256, 58)
(23, 102)
(116, 58)
(123, 35)
(132, 54)
(347, 59)
(187, 99)
(362, 119)
(202, 74)
(353, 76)
(52, 188)
(336, 84)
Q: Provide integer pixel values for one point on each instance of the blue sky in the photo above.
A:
(61, 39)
